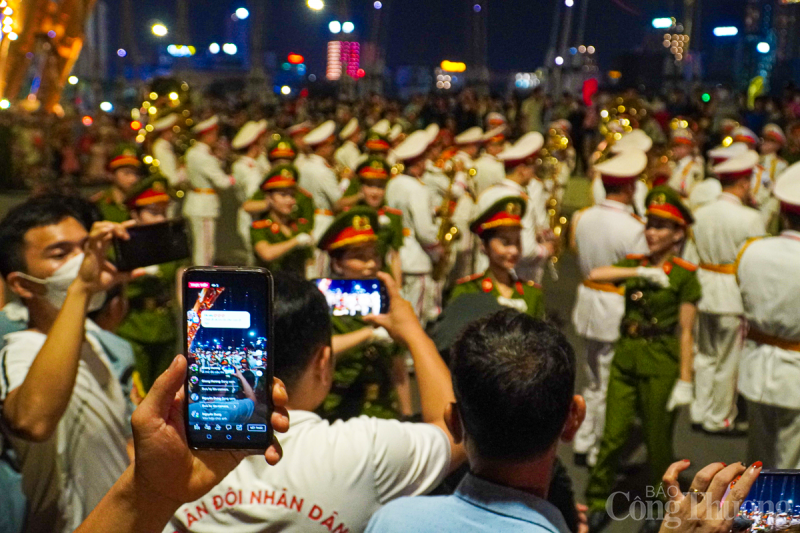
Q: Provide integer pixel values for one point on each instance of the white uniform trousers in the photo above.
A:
(719, 347)
(244, 222)
(597, 367)
(774, 436)
(424, 294)
(204, 231)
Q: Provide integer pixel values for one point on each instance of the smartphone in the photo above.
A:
(773, 502)
(228, 337)
(354, 297)
(152, 244)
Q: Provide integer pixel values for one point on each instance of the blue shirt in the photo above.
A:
(477, 505)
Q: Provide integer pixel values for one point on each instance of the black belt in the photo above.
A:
(634, 329)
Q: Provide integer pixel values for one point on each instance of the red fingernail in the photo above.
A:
(724, 464)
(758, 464)
(685, 460)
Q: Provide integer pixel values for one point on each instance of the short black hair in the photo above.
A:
(302, 324)
(614, 189)
(34, 213)
(792, 220)
(514, 378)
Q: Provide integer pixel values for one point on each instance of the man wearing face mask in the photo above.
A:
(66, 413)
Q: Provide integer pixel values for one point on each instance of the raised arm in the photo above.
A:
(433, 376)
(34, 409)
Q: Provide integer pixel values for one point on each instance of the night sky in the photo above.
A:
(423, 32)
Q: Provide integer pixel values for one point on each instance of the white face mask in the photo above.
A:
(59, 281)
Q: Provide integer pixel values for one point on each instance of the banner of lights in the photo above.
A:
(344, 57)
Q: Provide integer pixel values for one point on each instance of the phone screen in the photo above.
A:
(354, 297)
(227, 316)
(773, 503)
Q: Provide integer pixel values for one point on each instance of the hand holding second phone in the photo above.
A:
(702, 510)
(401, 322)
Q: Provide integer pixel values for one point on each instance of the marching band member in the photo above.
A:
(247, 173)
(421, 247)
(720, 230)
(499, 226)
(651, 372)
(519, 161)
(367, 376)
(604, 235)
(206, 177)
(769, 371)
(281, 240)
(688, 169)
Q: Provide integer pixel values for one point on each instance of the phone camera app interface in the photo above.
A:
(349, 297)
(227, 355)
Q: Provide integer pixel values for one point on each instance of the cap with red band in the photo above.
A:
(206, 125)
(623, 168)
(737, 168)
(498, 209)
(773, 132)
(523, 150)
(355, 226)
(664, 202)
(280, 177)
(787, 189)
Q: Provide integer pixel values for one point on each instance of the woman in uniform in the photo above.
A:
(281, 241)
(651, 373)
(370, 376)
(499, 226)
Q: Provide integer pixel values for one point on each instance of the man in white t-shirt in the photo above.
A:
(333, 477)
(63, 404)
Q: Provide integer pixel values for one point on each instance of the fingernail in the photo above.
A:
(757, 465)
(175, 361)
(724, 464)
(685, 461)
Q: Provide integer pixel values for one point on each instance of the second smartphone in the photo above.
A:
(227, 315)
(354, 297)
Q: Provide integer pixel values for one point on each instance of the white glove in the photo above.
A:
(682, 394)
(304, 239)
(380, 336)
(517, 304)
(656, 276)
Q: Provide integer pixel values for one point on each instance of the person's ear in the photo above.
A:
(452, 419)
(323, 363)
(577, 412)
(21, 287)
(680, 234)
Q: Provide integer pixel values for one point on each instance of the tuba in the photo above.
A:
(550, 168)
(448, 232)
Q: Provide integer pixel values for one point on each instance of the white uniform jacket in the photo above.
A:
(206, 177)
(770, 285)
(604, 235)
(719, 231)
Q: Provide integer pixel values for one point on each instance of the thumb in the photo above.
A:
(162, 394)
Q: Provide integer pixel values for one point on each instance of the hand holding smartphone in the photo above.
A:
(228, 338)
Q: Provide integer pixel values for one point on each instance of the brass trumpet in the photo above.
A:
(448, 232)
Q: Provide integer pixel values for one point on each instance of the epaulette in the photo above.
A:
(392, 210)
(635, 256)
(533, 284)
(467, 279)
(304, 192)
(691, 267)
(96, 197)
(261, 224)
